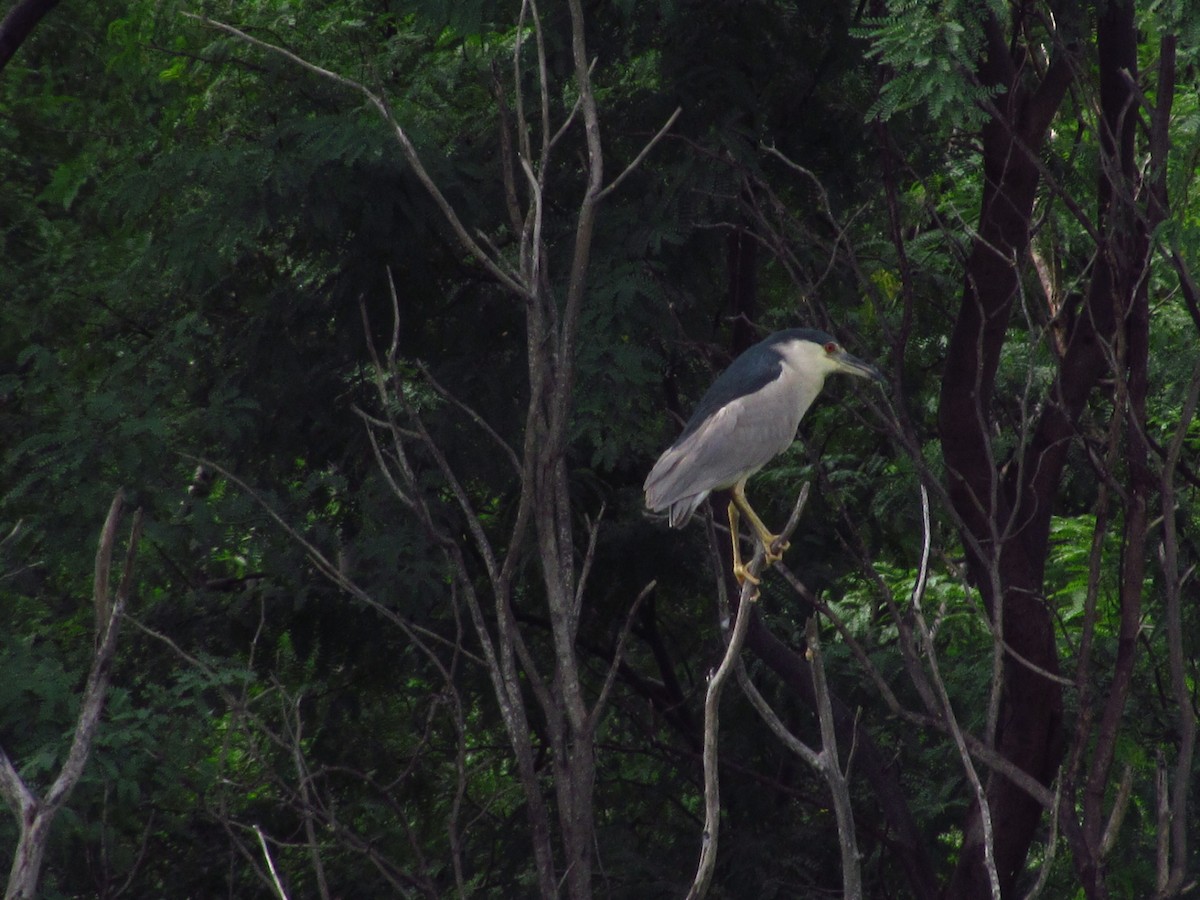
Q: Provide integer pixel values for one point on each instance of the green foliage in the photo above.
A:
(931, 55)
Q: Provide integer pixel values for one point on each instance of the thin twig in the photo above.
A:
(768, 715)
(12, 535)
(474, 416)
(1051, 843)
(637, 160)
(985, 814)
(270, 864)
(589, 558)
(303, 782)
(618, 655)
(416, 633)
(855, 645)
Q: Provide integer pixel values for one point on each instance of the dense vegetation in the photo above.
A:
(384, 358)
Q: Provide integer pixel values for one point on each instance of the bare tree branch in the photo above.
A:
(712, 788)
(642, 154)
(36, 815)
(543, 507)
(618, 655)
(471, 414)
(831, 769)
(712, 704)
(951, 720)
(266, 851)
(1051, 843)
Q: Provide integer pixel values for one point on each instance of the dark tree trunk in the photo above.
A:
(1129, 211)
(17, 25)
(1007, 516)
(1004, 534)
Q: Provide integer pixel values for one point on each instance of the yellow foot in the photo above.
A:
(776, 549)
(742, 574)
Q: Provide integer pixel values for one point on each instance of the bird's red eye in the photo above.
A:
(831, 347)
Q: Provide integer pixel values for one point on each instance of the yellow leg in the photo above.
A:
(764, 534)
(739, 568)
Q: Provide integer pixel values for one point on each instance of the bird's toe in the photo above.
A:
(775, 550)
(742, 574)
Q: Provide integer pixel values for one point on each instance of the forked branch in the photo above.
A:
(827, 762)
(35, 814)
(712, 703)
(712, 712)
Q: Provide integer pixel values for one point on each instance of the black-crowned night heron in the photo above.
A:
(747, 418)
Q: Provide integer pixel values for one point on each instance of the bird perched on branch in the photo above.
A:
(747, 418)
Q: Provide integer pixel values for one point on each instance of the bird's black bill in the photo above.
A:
(852, 365)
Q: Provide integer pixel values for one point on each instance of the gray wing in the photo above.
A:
(733, 443)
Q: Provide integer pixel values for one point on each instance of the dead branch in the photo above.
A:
(475, 417)
(712, 702)
(266, 851)
(544, 505)
(831, 769)
(949, 717)
(827, 762)
(418, 634)
(34, 814)
(1047, 865)
(642, 154)
(712, 699)
(618, 654)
